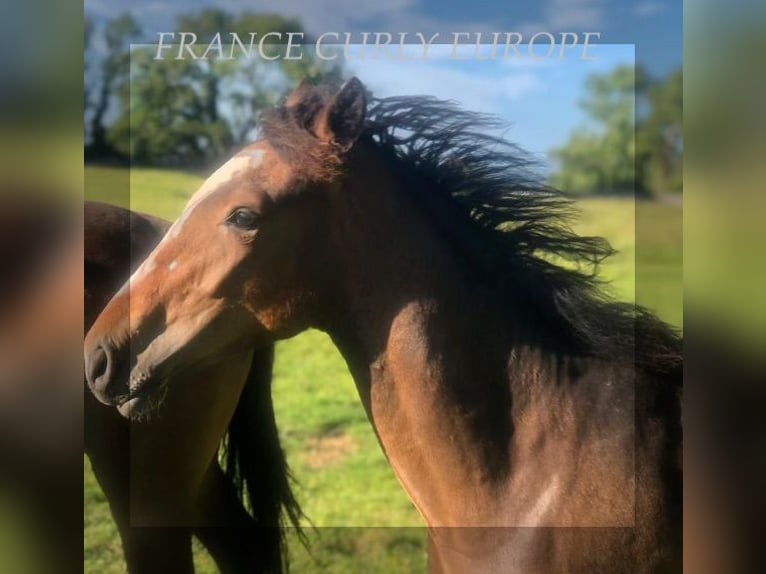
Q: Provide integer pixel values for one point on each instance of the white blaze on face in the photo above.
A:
(240, 163)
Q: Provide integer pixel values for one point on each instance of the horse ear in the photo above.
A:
(342, 120)
(298, 94)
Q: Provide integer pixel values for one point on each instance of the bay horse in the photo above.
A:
(141, 472)
(164, 472)
(534, 424)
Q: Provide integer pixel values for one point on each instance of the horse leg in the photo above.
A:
(151, 550)
(237, 545)
(147, 550)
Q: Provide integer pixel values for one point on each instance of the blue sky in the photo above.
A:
(654, 25)
(538, 99)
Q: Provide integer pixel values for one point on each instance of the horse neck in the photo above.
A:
(468, 394)
(418, 336)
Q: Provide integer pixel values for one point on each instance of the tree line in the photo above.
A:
(192, 112)
(181, 112)
(634, 141)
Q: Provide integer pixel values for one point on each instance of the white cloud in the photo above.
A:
(517, 86)
(158, 8)
(328, 15)
(570, 15)
(317, 16)
(647, 9)
(488, 90)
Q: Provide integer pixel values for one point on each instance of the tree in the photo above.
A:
(114, 73)
(255, 86)
(659, 138)
(164, 115)
(170, 108)
(197, 110)
(601, 159)
(88, 27)
(636, 143)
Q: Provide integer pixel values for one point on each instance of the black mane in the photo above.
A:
(484, 194)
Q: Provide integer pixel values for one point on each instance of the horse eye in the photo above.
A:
(243, 219)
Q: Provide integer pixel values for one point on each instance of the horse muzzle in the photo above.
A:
(106, 374)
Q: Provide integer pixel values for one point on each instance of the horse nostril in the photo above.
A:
(98, 368)
(107, 373)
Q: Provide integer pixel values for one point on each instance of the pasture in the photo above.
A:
(363, 518)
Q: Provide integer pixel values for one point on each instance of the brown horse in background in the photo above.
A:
(535, 425)
(163, 473)
(161, 476)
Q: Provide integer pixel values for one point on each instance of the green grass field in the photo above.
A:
(344, 482)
